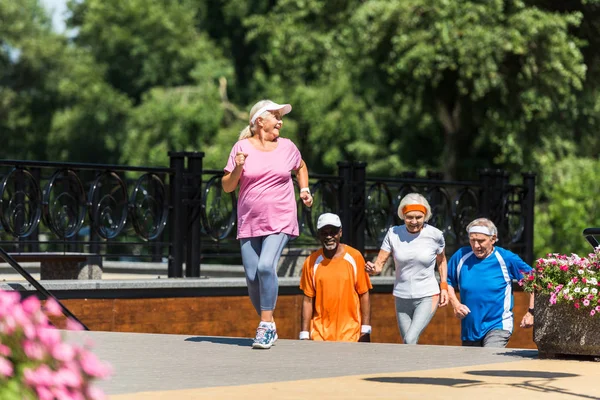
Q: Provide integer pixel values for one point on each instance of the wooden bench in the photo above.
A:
(63, 265)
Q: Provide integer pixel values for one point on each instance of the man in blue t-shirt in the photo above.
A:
(483, 275)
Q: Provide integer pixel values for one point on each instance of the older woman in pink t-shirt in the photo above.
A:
(261, 163)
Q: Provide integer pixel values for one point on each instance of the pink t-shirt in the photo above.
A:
(266, 203)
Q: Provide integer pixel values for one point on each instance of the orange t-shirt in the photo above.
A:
(335, 285)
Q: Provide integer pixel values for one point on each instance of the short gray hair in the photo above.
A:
(484, 222)
(414, 198)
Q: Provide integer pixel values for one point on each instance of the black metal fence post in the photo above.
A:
(359, 193)
(193, 242)
(177, 222)
(35, 235)
(528, 210)
(345, 198)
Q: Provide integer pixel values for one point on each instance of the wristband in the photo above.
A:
(530, 311)
(444, 285)
(365, 329)
(307, 190)
(304, 335)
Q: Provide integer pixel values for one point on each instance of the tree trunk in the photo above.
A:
(449, 117)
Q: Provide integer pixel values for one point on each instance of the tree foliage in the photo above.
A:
(423, 85)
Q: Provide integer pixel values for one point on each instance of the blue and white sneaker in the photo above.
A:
(265, 336)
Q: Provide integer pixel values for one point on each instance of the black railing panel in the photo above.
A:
(122, 211)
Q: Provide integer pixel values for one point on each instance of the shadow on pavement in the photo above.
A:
(522, 374)
(533, 354)
(244, 342)
(413, 380)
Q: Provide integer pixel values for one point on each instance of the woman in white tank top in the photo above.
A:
(417, 248)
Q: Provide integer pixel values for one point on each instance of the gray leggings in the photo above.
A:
(413, 316)
(260, 256)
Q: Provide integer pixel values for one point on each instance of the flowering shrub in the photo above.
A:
(567, 279)
(35, 362)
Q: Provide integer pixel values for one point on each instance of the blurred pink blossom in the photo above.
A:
(6, 368)
(52, 307)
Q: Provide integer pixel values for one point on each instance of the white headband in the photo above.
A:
(285, 108)
(481, 229)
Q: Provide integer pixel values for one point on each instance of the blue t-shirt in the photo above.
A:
(485, 287)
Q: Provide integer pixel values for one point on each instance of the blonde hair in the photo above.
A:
(414, 198)
(248, 131)
(484, 222)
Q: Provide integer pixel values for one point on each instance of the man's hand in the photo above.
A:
(527, 321)
(365, 337)
(460, 310)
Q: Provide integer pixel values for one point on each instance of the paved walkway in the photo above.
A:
(149, 366)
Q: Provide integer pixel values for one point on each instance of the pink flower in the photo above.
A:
(584, 280)
(575, 280)
(549, 285)
(42, 376)
(92, 366)
(33, 350)
(586, 302)
(44, 393)
(94, 393)
(63, 352)
(49, 337)
(52, 307)
(564, 267)
(73, 325)
(5, 350)
(6, 368)
(31, 305)
(592, 312)
(576, 305)
(68, 377)
(8, 300)
(531, 277)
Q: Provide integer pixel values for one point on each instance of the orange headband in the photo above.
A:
(414, 207)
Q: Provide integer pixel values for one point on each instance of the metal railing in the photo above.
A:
(181, 213)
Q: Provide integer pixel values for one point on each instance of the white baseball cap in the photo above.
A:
(328, 219)
(271, 106)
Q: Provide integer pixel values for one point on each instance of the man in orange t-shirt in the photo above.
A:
(336, 304)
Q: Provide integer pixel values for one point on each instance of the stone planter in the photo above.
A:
(562, 330)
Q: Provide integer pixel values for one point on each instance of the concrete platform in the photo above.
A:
(149, 366)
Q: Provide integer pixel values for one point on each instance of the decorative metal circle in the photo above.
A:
(441, 208)
(325, 200)
(149, 207)
(108, 204)
(515, 219)
(379, 214)
(219, 210)
(466, 208)
(64, 204)
(20, 203)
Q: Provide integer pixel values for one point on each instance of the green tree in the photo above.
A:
(143, 43)
(486, 77)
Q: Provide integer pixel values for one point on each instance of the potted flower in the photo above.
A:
(35, 361)
(567, 304)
